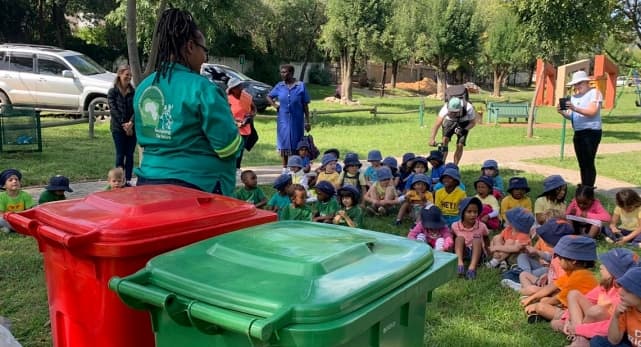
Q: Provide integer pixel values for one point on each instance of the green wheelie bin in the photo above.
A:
(290, 284)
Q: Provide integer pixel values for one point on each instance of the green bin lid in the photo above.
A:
(309, 272)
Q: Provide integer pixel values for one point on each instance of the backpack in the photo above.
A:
(459, 91)
(314, 152)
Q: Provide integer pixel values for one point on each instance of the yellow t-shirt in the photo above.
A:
(509, 203)
(448, 202)
(490, 200)
(333, 178)
(542, 204)
(415, 198)
(628, 220)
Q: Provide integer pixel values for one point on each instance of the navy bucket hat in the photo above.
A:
(349, 189)
(451, 173)
(5, 174)
(618, 261)
(351, 159)
(518, 183)
(408, 156)
(374, 155)
(490, 164)
(295, 161)
(326, 187)
(489, 182)
(59, 182)
(553, 230)
(520, 219)
(383, 173)
(631, 281)
(391, 162)
(421, 160)
(553, 182)
(420, 178)
(462, 206)
(432, 218)
(328, 158)
(302, 144)
(436, 155)
(574, 247)
(282, 181)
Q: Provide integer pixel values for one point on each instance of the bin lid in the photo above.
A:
(308, 272)
(147, 216)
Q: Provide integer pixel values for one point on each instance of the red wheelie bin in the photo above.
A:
(87, 241)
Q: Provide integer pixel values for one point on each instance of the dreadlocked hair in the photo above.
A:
(175, 28)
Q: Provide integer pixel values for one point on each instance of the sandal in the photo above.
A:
(461, 270)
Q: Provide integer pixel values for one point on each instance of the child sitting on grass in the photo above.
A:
(381, 197)
(350, 213)
(374, 158)
(449, 197)
(302, 149)
(328, 170)
(351, 173)
(298, 209)
(589, 315)
(625, 325)
(628, 212)
(577, 255)
(405, 170)
(586, 205)
(436, 161)
(250, 192)
(419, 166)
(469, 243)
(280, 200)
(326, 206)
(539, 278)
(432, 230)
(552, 199)
(13, 198)
(415, 199)
(490, 168)
(56, 189)
(506, 246)
(295, 166)
(491, 208)
(116, 179)
(517, 196)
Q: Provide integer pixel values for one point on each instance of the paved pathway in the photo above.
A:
(508, 157)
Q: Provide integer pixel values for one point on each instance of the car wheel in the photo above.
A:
(4, 99)
(100, 107)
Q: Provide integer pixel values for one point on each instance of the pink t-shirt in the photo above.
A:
(433, 234)
(478, 231)
(595, 211)
(609, 299)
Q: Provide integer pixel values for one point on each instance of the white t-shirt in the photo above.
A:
(469, 115)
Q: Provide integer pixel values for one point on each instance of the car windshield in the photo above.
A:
(85, 65)
(234, 74)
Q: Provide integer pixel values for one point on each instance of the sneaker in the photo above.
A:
(382, 211)
(492, 263)
(508, 283)
(460, 270)
(503, 266)
(471, 274)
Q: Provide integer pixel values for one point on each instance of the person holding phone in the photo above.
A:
(583, 109)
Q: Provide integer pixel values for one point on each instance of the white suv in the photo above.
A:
(51, 78)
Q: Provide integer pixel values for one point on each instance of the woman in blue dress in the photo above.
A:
(293, 112)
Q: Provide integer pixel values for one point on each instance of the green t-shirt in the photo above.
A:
(49, 196)
(296, 213)
(355, 213)
(279, 201)
(252, 196)
(186, 130)
(327, 208)
(22, 202)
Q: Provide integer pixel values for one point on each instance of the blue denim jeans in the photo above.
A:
(602, 341)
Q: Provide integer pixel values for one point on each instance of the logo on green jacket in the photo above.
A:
(155, 114)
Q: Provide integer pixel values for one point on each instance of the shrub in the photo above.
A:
(319, 76)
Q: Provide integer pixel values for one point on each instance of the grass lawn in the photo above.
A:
(68, 150)
(462, 313)
(620, 166)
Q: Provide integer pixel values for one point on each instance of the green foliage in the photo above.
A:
(265, 69)
(319, 76)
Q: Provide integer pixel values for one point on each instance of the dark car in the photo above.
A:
(220, 74)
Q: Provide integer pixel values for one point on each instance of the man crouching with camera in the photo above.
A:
(455, 117)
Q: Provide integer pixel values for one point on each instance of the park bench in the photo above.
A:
(496, 110)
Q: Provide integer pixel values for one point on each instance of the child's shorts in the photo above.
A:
(467, 254)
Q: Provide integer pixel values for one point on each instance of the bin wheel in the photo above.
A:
(99, 104)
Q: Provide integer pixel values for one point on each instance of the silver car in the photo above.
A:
(51, 78)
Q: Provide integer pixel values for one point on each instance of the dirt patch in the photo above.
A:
(425, 86)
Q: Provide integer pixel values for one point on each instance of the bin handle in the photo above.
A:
(137, 296)
(25, 225)
(66, 239)
(260, 329)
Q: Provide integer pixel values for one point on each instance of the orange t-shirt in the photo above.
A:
(542, 246)
(509, 234)
(240, 108)
(630, 322)
(582, 280)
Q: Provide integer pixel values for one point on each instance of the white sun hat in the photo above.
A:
(579, 76)
(234, 82)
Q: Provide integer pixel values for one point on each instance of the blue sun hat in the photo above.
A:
(490, 164)
(466, 202)
(383, 173)
(349, 189)
(420, 178)
(59, 182)
(630, 281)
(488, 181)
(282, 181)
(408, 156)
(5, 174)
(432, 218)
(391, 162)
(351, 159)
(520, 219)
(575, 247)
(451, 173)
(295, 161)
(326, 187)
(421, 160)
(328, 158)
(436, 155)
(553, 182)
(302, 144)
(374, 155)
(618, 261)
(553, 230)
(518, 183)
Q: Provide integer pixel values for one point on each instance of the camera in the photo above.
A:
(562, 103)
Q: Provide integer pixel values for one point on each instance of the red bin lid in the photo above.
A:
(135, 220)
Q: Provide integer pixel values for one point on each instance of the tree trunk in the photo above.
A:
(153, 55)
(59, 21)
(394, 73)
(441, 83)
(496, 92)
(532, 71)
(132, 43)
(346, 76)
(384, 79)
(308, 53)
